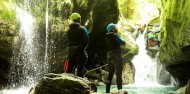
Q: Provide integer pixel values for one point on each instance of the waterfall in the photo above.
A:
(26, 57)
(46, 65)
(145, 66)
(29, 62)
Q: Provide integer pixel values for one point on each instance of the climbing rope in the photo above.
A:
(94, 69)
(103, 65)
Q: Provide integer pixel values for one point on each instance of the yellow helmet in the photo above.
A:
(75, 16)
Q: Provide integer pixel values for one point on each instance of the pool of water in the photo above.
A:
(21, 90)
(132, 89)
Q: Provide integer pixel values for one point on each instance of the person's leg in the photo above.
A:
(71, 64)
(111, 70)
(119, 68)
(72, 58)
(80, 62)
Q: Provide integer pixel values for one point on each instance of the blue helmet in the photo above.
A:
(110, 27)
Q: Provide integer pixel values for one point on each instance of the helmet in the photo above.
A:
(151, 36)
(110, 27)
(75, 16)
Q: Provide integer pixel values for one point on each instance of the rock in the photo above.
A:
(63, 84)
(175, 39)
(7, 31)
(184, 90)
(180, 91)
(121, 91)
(187, 90)
(163, 76)
(180, 72)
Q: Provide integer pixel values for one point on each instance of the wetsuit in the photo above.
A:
(77, 37)
(114, 58)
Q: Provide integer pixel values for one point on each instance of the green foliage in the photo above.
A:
(126, 8)
(7, 11)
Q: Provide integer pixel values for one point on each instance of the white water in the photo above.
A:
(46, 46)
(28, 50)
(21, 90)
(30, 65)
(145, 67)
(25, 59)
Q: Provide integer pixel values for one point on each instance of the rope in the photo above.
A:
(94, 69)
(126, 54)
(103, 65)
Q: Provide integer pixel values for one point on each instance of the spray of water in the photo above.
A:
(28, 66)
(46, 46)
(145, 66)
(27, 54)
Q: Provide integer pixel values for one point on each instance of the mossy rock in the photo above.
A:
(62, 84)
(7, 33)
(175, 31)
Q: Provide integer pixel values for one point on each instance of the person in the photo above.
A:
(96, 64)
(114, 58)
(77, 37)
(152, 41)
(96, 61)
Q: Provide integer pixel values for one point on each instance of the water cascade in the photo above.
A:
(29, 65)
(145, 66)
(46, 39)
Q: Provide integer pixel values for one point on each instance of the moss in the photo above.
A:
(174, 32)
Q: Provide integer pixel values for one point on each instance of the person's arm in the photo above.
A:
(86, 38)
(158, 43)
(120, 40)
(86, 34)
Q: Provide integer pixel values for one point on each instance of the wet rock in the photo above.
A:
(7, 32)
(164, 77)
(184, 90)
(180, 72)
(121, 91)
(63, 84)
(180, 90)
(175, 39)
(187, 90)
(179, 68)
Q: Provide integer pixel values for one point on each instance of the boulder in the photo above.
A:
(175, 39)
(187, 90)
(180, 72)
(7, 31)
(184, 90)
(63, 84)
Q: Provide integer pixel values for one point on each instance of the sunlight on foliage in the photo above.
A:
(139, 11)
(7, 10)
(126, 8)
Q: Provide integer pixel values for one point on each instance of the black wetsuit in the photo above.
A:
(77, 37)
(114, 59)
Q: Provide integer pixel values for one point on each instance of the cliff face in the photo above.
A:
(175, 38)
(7, 31)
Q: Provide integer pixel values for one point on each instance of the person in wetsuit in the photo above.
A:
(77, 37)
(114, 58)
